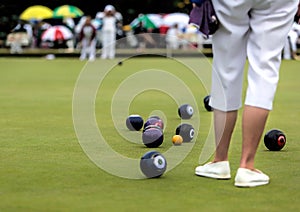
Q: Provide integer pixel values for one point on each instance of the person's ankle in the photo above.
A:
(220, 159)
(250, 167)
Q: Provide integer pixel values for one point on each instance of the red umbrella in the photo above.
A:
(55, 33)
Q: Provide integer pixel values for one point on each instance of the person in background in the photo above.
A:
(173, 37)
(88, 40)
(290, 47)
(70, 23)
(22, 32)
(253, 29)
(139, 33)
(40, 28)
(108, 32)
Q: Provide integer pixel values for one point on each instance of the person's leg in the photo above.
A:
(92, 50)
(112, 45)
(105, 44)
(224, 123)
(229, 47)
(287, 50)
(219, 168)
(83, 49)
(270, 23)
(18, 46)
(228, 68)
(253, 123)
(266, 41)
(13, 47)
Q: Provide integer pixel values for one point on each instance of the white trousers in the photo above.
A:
(108, 44)
(253, 29)
(291, 42)
(290, 45)
(88, 49)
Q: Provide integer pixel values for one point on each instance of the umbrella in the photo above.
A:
(156, 19)
(181, 19)
(55, 33)
(37, 12)
(150, 21)
(67, 11)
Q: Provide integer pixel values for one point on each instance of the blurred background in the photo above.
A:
(130, 8)
(25, 25)
(36, 25)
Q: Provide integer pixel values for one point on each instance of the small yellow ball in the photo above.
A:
(177, 140)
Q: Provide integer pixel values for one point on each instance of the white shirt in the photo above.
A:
(109, 24)
(88, 31)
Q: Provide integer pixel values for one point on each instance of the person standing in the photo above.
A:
(290, 48)
(253, 29)
(21, 32)
(108, 32)
(173, 37)
(139, 31)
(88, 40)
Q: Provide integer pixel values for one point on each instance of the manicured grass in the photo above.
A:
(43, 167)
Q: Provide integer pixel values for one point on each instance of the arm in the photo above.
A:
(81, 33)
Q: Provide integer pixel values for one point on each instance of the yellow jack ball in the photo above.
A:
(177, 140)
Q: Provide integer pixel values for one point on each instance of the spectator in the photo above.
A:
(110, 20)
(21, 35)
(139, 35)
(88, 40)
(290, 47)
(173, 37)
(40, 28)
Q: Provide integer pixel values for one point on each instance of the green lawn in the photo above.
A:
(44, 168)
